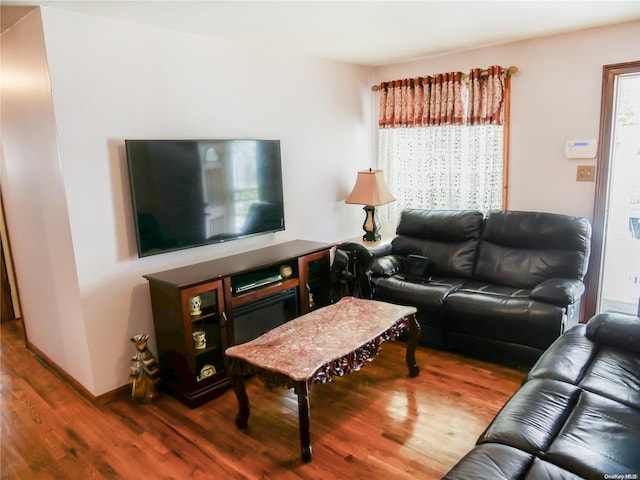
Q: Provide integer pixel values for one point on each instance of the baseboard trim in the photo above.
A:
(116, 394)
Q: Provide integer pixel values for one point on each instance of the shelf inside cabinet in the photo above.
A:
(208, 349)
(204, 317)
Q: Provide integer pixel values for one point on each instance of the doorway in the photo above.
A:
(8, 296)
(614, 280)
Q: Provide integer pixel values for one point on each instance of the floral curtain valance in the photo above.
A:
(444, 99)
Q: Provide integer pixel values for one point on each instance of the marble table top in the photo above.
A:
(298, 348)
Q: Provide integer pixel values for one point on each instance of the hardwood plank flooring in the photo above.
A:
(377, 423)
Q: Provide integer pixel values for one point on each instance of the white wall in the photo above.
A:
(555, 97)
(113, 80)
(35, 204)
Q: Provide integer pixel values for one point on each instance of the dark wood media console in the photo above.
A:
(201, 309)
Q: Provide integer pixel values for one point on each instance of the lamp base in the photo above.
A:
(371, 237)
(371, 225)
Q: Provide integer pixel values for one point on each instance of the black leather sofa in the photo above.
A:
(577, 414)
(502, 286)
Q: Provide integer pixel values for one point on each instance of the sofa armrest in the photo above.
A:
(558, 291)
(382, 250)
(386, 266)
(615, 329)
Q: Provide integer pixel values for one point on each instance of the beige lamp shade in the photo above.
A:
(370, 189)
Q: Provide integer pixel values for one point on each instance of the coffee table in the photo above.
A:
(331, 341)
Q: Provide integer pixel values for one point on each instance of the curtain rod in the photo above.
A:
(510, 72)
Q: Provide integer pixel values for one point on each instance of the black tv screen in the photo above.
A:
(188, 193)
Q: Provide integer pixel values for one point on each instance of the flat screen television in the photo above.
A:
(189, 193)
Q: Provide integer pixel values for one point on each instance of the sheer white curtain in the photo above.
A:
(446, 167)
(441, 141)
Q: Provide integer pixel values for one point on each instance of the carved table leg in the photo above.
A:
(237, 382)
(302, 389)
(414, 337)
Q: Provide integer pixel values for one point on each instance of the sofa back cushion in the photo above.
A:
(522, 249)
(449, 238)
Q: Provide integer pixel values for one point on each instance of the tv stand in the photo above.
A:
(195, 309)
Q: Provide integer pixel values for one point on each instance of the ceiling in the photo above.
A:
(371, 33)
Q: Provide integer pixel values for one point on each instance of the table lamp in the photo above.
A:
(371, 191)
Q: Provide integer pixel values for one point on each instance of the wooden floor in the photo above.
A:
(377, 423)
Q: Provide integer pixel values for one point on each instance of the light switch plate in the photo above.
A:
(586, 173)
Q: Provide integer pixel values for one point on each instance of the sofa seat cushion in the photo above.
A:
(614, 374)
(599, 437)
(505, 314)
(428, 295)
(533, 416)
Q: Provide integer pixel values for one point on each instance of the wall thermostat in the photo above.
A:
(581, 149)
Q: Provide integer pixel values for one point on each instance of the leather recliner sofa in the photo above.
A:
(577, 414)
(502, 286)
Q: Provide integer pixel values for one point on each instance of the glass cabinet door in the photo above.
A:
(314, 281)
(205, 321)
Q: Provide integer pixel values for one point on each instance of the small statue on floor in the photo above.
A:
(144, 373)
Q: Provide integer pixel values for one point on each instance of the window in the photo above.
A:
(442, 142)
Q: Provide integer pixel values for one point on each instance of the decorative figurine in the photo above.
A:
(199, 339)
(206, 372)
(286, 271)
(195, 303)
(144, 373)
